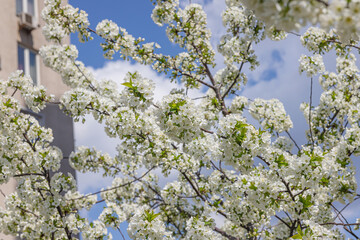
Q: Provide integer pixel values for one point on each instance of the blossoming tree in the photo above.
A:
(257, 180)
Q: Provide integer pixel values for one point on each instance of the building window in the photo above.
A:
(27, 61)
(27, 6)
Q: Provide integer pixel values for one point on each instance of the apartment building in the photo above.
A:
(20, 41)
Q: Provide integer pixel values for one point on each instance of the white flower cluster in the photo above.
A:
(90, 160)
(243, 29)
(291, 15)
(62, 59)
(317, 40)
(61, 20)
(138, 92)
(146, 224)
(240, 142)
(35, 96)
(311, 65)
(201, 229)
(271, 114)
(179, 119)
(238, 104)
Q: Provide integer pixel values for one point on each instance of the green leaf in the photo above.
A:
(127, 84)
(324, 181)
(306, 202)
(281, 161)
(175, 106)
(241, 131)
(252, 186)
(299, 234)
(149, 215)
(8, 103)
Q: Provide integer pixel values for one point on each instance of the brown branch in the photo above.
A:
(223, 233)
(330, 122)
(237, 76)
(200, 195)
(28, 174)
(216, 90)
(113, 188)
(188, 75)
(347, 45)
(207, 131)
(302, 191)
(351, 232)
(28, 142)
(293, 140)
(14, 92)
(340, 212)
(283, 221)
(310, 106)
(341, 224)
(193, 187)
(92, 87)
(330, 40)
(213, 82)
(281, 178)
(2, 193)
(122, 235)
(323, 2)
(25, 210)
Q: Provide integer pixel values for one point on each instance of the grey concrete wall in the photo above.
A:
(62, 127)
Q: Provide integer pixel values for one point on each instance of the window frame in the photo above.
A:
(27, 65)
(25, 9)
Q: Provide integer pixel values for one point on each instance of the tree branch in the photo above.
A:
(310, 106)
(113, 188)
(223, 233)
(237, 76)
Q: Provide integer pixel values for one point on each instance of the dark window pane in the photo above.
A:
(32, 64)
(21, 58)
(31, 7)
(19, 6)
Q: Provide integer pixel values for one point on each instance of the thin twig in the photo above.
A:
(2, 193)
(223, 233)
(330, 40)
(323, 2)
(28, 174)
(351, 232)
(25, 210)
(279, 218)
(341, 224)
(109, 189)
(122, 235)
(293, 140)
(310, 106)
(237, 76)
(347, 205)
(14, 92)
(90, 84)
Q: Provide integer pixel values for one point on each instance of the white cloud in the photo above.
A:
(117, 70)
(288, 85)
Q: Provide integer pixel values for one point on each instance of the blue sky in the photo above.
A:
(276, 77)
(134, 16)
